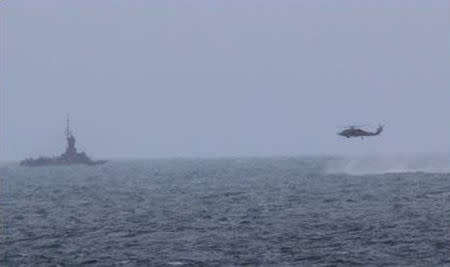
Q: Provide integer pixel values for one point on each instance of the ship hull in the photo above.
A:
(57, 162)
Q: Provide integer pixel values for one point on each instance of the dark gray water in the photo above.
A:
(271, 212)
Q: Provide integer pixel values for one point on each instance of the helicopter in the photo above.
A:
(356, 131)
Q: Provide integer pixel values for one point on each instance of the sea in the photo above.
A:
(273, 211)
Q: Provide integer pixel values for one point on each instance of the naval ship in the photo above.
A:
(69, 157)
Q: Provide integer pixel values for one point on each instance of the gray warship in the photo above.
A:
(69, 157)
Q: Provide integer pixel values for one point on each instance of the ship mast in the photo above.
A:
(70, 150)
(68, 131)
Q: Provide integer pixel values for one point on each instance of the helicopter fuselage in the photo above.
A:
(356, 132)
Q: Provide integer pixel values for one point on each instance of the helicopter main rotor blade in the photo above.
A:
(354, 126)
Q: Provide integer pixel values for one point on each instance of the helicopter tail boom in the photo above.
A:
(379, 130)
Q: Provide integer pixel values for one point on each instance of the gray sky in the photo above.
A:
(145, 79)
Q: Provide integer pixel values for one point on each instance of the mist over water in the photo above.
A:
(383, 164)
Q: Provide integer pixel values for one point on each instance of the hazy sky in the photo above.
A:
(144, 79)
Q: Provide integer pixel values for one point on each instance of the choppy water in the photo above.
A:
(270, 212)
